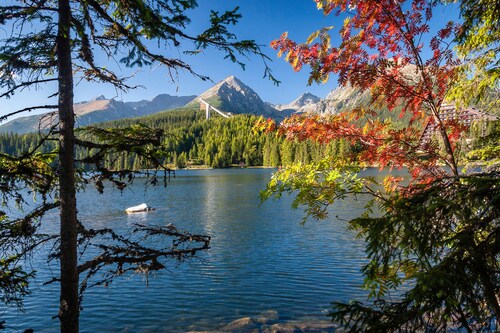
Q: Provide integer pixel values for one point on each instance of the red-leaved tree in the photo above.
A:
(437, 235)
(382, 50)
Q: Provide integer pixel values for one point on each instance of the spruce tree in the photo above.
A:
(50, 41)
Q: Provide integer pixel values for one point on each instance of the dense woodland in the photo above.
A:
(191, 140)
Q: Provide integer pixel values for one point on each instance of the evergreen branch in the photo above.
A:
(24, 85)
(87, 56)
(133, 253)
(169, 63)
(15, 12)
(28, 109)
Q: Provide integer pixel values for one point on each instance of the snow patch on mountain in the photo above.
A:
(305, 103)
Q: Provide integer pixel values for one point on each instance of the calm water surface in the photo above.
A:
(261, 259)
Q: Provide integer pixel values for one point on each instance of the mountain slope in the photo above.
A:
(159, 103)
(232, 95)
(303, 104)
(28, 124)
(98, 110)
(343, 99)
(346, 98)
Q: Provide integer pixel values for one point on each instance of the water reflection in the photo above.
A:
(261, 258)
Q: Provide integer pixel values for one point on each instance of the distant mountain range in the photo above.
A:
(230, 95)
(100, 109)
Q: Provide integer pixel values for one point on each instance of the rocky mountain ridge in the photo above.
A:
(229, 95)
(306, 102)
(99, 109)
(232, 95)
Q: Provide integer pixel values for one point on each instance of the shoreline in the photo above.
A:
(204, 167)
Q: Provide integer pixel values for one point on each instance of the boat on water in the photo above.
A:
(139, 208)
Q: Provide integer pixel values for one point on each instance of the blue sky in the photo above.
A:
(262, 21)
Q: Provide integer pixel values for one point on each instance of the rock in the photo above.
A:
(246, 324)
(282, 328)
(267, 317)
(303, 327)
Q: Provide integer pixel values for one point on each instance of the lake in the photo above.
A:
(261, 258)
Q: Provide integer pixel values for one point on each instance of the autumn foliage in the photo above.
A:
(437, 234)
(382, 50)
(378, 143)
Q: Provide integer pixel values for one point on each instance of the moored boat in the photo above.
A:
(139, 208)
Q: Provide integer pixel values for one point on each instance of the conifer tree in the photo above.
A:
(52, 41)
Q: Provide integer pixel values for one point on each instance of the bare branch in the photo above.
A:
(24, 85)
(28, 109)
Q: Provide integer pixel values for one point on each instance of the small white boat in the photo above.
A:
(140, 208)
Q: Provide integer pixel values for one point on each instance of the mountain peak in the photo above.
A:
(306, 102)
(232, 95)
(307, 98)
(231, 85)
(99, 98)
(308, 94)
(234, 82)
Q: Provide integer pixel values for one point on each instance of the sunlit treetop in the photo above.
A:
(387, 48)
(479, 46)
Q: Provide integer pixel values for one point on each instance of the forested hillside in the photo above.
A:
(193, 141)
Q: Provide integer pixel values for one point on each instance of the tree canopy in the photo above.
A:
(432, 238)
(478, 44)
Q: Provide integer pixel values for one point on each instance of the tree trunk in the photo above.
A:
(450, 158)
(69, 308)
